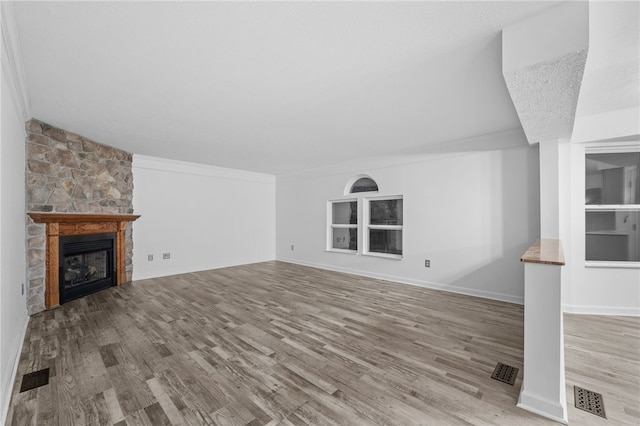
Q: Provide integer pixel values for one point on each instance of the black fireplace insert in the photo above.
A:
(86, 265)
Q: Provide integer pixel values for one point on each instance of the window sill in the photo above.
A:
(609, 264)
(384, 255)
(333, 250)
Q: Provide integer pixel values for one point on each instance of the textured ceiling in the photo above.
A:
(546, 95)
(269, 87)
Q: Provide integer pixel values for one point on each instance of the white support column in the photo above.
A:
(549, 189)
(543, 61)
(543, 386)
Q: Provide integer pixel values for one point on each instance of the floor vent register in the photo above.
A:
(589, 401)
(505, 373)
(34, 380)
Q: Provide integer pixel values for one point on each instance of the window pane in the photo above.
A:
(612, 178)
(385, 212)
(345, 213)
(364, 185)
(344, 238)
(613, 235)
(385, 241)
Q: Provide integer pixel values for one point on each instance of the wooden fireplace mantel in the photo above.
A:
(67, 224)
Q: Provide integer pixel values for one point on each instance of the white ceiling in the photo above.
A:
(269, 87)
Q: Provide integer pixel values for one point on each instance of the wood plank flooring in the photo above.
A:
(282, 344)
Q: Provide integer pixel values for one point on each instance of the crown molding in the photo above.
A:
(11, 58)
(167, 165)
(513, 138)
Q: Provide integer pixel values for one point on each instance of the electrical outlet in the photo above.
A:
(149, 257)
(166, 255)
(291, 247)
(427, 264)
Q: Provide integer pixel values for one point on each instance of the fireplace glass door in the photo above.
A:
(86, 265)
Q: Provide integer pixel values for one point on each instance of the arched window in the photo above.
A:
(364, 184)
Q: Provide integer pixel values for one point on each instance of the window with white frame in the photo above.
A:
(365, 225)
(384, 226)
(343, 229)
(612, 207)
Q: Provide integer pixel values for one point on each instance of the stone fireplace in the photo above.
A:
(85, 237)
(70, 175)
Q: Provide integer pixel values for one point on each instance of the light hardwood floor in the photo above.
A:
(276, 343)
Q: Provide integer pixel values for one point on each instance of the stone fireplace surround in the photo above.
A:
(69, 174)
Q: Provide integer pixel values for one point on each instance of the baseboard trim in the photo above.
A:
(550, 409)
(424, 284)
(8, 386)
(601, 310)
(164, 274)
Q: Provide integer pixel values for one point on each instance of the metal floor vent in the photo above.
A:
(589, 401)
(34, 380)
(505, 373)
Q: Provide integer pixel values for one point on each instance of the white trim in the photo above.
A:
(175, 166)
(383, 197)
(386, 227)
(417, 283)
(615, 311)
(504, 139)
(12, 64)
(544, 407)
(7, 387)
(612, 147)
(147, 276)
(612, 207)
(384, 255)
(350, 198)
(611, 264)
(344, 251)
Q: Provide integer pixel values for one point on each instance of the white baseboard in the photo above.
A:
(554, 410)
(424, 284)
(7, 386)
(162, 274)
(601, 310)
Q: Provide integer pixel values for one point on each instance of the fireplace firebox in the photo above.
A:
(86, 265)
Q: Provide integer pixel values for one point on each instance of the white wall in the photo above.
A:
(591, 290)
(13, 312)
(206, 217)
(608, 109)
(473, 214)
(609, 101)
